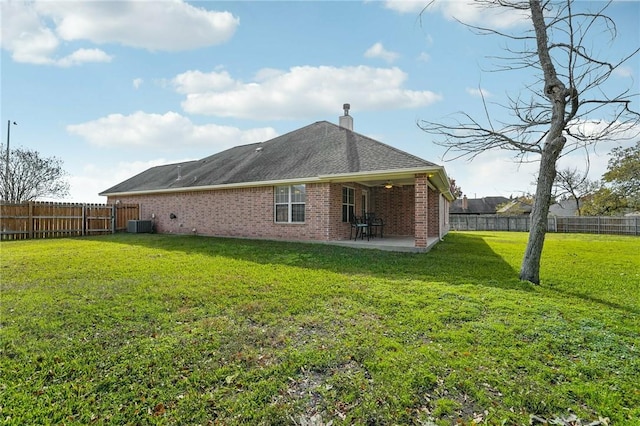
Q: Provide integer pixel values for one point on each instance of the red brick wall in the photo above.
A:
(249, 212)
(421, 205)
(240, 212)
(433, 213)
(396, 207)
(338, 230)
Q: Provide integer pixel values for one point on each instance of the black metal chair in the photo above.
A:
(374, 224)
(361, 227)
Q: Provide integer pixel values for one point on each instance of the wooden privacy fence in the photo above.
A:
(620, 225)
(488, 222)
(52, 220)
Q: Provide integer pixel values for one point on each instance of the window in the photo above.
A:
(348, 203)
(290, 202)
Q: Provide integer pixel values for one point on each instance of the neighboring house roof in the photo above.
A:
(321, 151)
(515, 207)
(564, 208)
(485, 205)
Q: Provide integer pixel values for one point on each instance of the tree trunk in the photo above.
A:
(558, 96)
(530, 269)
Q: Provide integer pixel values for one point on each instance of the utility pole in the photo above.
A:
(6, 171)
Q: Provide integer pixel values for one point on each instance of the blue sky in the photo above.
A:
(115, 87)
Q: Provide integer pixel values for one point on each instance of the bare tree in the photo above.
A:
(31, 177)
(567, 107)
(575, 185)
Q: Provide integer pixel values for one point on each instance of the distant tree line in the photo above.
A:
(616, 193)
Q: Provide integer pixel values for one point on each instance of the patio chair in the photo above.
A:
(375, 223)
(360, 226)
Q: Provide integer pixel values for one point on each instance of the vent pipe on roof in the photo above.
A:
(346, 120)
(179, 174)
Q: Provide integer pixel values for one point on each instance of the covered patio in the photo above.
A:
(411, 204)
(390, 243)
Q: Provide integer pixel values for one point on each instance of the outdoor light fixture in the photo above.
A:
(388, 185)
(172, 216)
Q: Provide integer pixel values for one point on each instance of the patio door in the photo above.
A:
(365, 202)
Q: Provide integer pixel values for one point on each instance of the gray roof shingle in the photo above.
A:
(485, 205)
(319, 149)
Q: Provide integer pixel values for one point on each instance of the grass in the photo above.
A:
(153, 329)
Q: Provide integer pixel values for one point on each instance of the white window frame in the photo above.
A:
(351, 207)
(292, 199)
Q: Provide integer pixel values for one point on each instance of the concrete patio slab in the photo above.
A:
(390, 243)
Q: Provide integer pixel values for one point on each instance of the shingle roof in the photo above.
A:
(516, 207)
(319, 149)
(564, 208)
(485, 205)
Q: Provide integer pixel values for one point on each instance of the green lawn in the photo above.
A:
(154, 329)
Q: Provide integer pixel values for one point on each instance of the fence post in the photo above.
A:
(30, 220)
(113, 218)
(83, 225)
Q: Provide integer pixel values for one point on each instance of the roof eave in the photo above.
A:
(436, 175)
(441, 181)
(378, 174)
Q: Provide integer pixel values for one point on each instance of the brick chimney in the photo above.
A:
(465, 203)
(346, 120)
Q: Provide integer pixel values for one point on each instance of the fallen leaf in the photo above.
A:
(159, 409)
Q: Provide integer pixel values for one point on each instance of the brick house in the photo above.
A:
(304, 185)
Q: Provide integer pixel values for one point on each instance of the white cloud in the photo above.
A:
(137, 82)
(478, 92)
(266, 74)
(165, 132)
(33, 31)
(142, 24)
(406, 6)
(31, 42)
(497, 172)
(593, 159)
(24, 35)
(378, 51)
(95, 178)
(466, 11)
(198, 81)
(300, 92)
(623, 71)
(603, 130)
(82, 56)
(493, 173)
